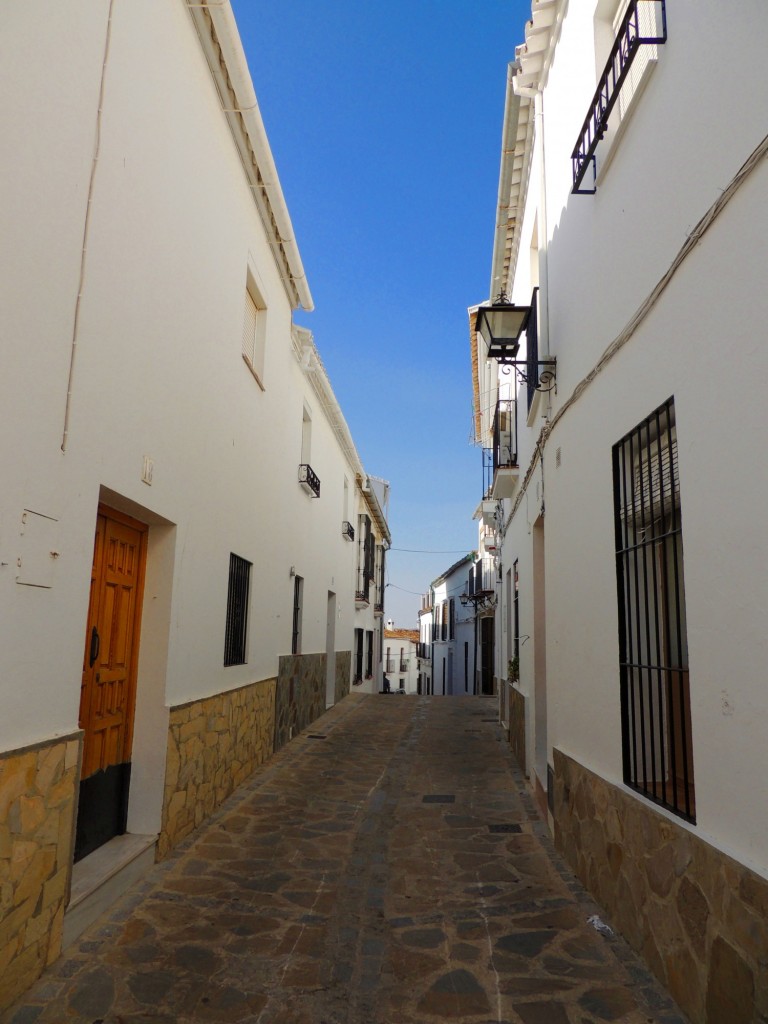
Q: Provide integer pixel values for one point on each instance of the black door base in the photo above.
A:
(102, 811)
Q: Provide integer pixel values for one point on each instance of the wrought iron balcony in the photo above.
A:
(404, 664)
(347, 530)
(628, 41)
(481, 582)
(309, 480)
(504, 454)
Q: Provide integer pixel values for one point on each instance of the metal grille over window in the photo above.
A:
(653, 645)
(237, 611)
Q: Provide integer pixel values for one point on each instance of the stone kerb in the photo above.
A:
(214, 744)
(38, 787)
(698, 917)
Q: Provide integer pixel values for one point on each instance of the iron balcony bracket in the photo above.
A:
(541, 375)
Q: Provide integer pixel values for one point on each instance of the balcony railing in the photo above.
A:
(487, 472)
(628, 41)
(309, 480)
(423, 651)
(389, 664)
(404, 664)
(482, 578)
(347, 530)
(505, 435)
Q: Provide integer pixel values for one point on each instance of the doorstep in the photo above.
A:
(102, 877)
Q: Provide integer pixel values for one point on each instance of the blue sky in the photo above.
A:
(385, 124)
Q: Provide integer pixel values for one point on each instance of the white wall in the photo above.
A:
(158, 372)
(702, 343)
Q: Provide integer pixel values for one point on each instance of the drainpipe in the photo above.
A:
(474, 660)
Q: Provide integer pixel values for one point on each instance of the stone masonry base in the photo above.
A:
(517, 726)
(214, 744)
(38, 787)
(698, 917)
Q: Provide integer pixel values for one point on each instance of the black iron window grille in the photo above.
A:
(653, 647)
(644, 23)
(532, 375)
(309, 479)
(235, 632)
(358, 656)
(368, 653)
(365, 556)
(347, 530)
(298, 590)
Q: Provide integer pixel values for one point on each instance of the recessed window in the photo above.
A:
(254, 330)
(237, 611)
(653, 644)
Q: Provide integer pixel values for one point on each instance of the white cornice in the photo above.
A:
(220, 40)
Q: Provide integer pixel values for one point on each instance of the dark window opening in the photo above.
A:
(653, 645)
(237, 611)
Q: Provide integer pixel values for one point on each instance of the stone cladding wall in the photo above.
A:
(214, 744)
(38, 799)
(698, 917)
(300, 694)
(517, 726)
(343, 675)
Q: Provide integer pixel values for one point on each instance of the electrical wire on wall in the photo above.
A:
(86, 226)
(693, 239)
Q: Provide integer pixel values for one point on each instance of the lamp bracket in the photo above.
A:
(546, 374)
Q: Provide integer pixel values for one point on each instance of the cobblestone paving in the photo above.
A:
(387, 867)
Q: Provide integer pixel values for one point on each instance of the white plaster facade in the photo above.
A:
(650, 288)
(452, 633)
(140, 204)
(400, 660)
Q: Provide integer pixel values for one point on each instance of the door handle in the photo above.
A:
(95, 645)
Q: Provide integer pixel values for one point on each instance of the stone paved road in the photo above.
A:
(387, 867)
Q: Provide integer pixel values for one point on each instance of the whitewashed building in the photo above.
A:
(632, 205)
(373, 542)
(177, 577)
(424, 649)
(400, 658)
(453, 646)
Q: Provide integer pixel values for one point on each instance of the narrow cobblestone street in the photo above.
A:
(387, 867)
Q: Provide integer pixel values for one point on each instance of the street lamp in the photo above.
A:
(500, 325)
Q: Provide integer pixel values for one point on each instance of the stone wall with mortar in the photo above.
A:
(517, 726)
(698, 917)
(300, 694)
(38, 798)
(214, 744)
(343, 675)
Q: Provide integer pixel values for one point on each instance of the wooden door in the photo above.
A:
(108, 690)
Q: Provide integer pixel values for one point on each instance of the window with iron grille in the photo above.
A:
(298, 600)
(235, 633)
(653, 646)
(451, 618)
(358, 655)
(368, 653)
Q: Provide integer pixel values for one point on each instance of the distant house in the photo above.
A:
(181, 494)
(373, 541)
(618, 366)
(452, 657)
(400, 658)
